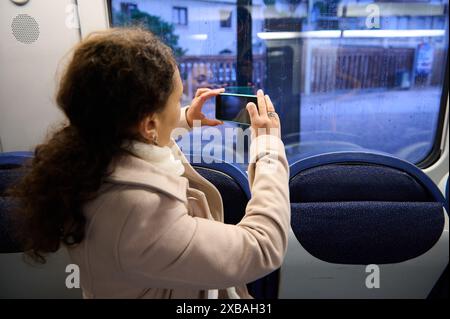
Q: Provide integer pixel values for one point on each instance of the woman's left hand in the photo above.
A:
(194, 111)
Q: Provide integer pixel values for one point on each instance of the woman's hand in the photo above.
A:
(263, 118)
(194, 111)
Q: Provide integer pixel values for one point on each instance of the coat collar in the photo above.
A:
(131, 170)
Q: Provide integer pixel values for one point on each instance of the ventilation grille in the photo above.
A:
(25, 28)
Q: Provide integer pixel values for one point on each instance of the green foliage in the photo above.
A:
(159, 27)
(327, 8)
(269, 2)
(291, 2)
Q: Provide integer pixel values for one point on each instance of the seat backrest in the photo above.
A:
(362, 208)
(11, 170)
(8, 242)
(358, 209)
(232, 184)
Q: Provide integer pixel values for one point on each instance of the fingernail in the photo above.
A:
(260, 91)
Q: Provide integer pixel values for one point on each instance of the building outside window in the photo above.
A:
(225, 18)
(180, 15)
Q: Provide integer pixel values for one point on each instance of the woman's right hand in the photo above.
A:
(263, 118)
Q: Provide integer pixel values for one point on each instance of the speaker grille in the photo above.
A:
(25, 28)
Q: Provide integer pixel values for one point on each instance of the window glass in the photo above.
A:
(344, 75)
(179, 15)
(225, 18)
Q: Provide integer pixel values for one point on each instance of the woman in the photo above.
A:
(113, 187)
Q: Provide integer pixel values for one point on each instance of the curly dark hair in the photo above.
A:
(114, 79)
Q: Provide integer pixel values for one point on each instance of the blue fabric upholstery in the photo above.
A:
(369, 159)
(8, 177)
(14, 158)
(8, 244)
(232, 170)
(234, 198)
(367, 232)
(356, 182)
(11, 170)
(363, 208)
(234, 189)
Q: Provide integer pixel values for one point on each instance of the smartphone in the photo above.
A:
(232, 107)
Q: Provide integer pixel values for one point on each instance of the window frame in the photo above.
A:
(230, 19)
(436, 150)
(179, 10)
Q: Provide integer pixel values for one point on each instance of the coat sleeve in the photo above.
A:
(163, 246)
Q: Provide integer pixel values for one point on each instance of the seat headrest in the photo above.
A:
(355, 182)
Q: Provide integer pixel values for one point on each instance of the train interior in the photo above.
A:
(361, 88)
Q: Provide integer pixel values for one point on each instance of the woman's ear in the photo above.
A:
(148, 129)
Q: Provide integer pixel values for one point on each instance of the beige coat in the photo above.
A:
(152, 234)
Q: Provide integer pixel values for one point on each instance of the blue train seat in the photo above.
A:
(354, 209)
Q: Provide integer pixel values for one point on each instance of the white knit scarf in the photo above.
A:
(160, 156)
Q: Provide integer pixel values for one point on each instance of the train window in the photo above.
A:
(343, 74)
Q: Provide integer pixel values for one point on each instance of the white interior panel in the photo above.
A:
(28, 72)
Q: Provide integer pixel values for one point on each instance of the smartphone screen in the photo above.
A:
(232, 107)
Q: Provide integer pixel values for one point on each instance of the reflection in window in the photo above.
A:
(225, 19)
(179, 15)
(343, 74)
